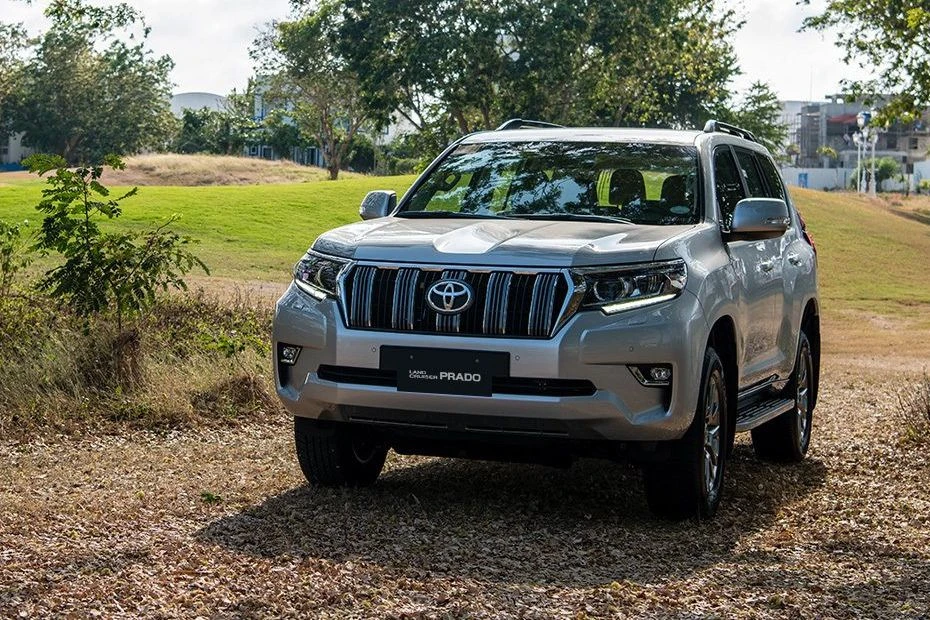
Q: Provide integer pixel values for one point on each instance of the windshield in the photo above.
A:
(627, 182)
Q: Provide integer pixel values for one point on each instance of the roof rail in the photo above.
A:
(713, 126)
(519, 123)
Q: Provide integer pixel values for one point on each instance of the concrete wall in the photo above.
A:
(840, 178)
(921, 171)
(817, 178)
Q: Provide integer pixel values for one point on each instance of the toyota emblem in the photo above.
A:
(450, 296)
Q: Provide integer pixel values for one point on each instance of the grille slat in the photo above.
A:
(402, 315)
(506, 303)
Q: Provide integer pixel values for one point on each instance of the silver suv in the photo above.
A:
(542, 293)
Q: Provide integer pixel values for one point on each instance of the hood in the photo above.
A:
(530, 243)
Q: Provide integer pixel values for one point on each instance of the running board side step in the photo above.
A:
(760, 413)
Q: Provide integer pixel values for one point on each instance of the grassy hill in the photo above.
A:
(872, 257)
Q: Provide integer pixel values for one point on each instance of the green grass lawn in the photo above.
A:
(246, 231)
(870, 258)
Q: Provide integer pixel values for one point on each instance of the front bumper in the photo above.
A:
(590, 346)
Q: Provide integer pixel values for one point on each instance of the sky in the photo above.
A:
(209, 42)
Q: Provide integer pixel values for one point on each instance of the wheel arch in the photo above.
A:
(810, 325)
(722, 338)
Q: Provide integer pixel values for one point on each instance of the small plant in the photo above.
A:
(914, 411)
(209, 498)
(103, 271)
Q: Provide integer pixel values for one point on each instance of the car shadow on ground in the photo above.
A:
(581, 526)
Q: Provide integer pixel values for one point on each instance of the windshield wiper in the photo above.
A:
(579, 217)
(448, 214)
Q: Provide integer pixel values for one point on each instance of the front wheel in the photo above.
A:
(337, 457)
(787, 438)
(690, 483)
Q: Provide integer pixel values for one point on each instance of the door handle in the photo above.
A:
(767, 265)
(795, 260)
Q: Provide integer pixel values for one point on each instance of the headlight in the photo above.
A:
(318, 275)
(614, 289)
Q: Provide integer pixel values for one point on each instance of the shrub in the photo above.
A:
(13, 255)
(914, 411)
(885, 168)
(115, 272)
(164, 371)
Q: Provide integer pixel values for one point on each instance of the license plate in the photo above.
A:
(445, 371)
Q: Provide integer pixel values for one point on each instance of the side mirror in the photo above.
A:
(379, 203)
(759, 218)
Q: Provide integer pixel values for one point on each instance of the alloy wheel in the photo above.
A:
(712, 435)
(802, 400)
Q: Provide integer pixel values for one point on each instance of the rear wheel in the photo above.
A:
(337, 457)
(690, 483)
(787, 437)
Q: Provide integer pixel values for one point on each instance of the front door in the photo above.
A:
(757, 269)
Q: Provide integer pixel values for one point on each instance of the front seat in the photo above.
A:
(628, 192)
(674, 194)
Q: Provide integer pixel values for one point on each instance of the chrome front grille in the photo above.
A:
(510, 303)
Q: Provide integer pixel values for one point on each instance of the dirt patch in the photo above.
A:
(193, 170)
(219, 523)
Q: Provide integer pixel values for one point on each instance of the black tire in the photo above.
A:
(335, 457)
(687, 484)
(787, 438)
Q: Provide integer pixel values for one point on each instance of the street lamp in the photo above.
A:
(863, 138)
(857, 140)
(873, 138)
(862, 120)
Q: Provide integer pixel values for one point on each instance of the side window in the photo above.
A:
(772, 178)
(751, 174)
(729, 188)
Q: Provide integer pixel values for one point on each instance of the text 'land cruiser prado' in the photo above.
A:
(542, 293)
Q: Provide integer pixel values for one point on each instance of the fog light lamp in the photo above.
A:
(288, 354)
(653, 375)
(660, 373)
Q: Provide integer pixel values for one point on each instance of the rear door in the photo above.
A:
(753, 263)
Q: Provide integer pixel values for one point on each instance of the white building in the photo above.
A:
(12, 152)
(197, 101)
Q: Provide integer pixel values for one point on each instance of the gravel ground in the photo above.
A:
(220, 524)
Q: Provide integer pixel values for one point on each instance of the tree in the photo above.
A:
(194, 135)
(828, 152)
(12, 45)
(891, 40)
(758, 111)
(86, 92)
(220, 132)
(311, 79)
(455, 66)
(885, 168)
(280, 133)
